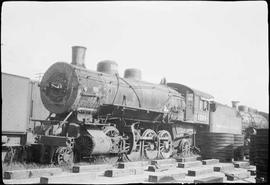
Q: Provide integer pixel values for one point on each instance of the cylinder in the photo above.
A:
(78, 55)
(238, 147)
(101, 143)
(108, 67)
(217, 145)
(132, 73)
(94, 143)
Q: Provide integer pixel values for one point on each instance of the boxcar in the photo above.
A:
(21, 102)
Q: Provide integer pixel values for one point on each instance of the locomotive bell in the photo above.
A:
(133, 73)
(107, 66)
(78, 55)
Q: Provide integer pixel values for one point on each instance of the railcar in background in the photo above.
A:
(251, 119)
(15, 110)
(20, 102)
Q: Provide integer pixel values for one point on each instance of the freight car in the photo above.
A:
(20, 102)
(252, 119)
(14, 103)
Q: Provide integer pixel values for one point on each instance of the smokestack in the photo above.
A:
(235, 104)
(78, 54)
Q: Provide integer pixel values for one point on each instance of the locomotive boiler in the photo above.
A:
(95, 113)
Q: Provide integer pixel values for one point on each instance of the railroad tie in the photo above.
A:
(91, 168)
(31, 173)
(212, 179)
(210, 161)
(160, 168)
(75, 177)
(223, 167)
(189, 164)
(132, 164)
(200, 171)
(123, 172)
(163, 161)
(252, 170)
(232, 176)
(166, 177)
(187, 159)
(241, 164)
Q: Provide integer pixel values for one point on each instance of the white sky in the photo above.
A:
(217, 47)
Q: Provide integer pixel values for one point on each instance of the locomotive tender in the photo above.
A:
(96, 113)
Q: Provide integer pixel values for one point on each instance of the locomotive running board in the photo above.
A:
(130, 113)
(53, 140)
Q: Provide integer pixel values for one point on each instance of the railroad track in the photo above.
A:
(181, 170)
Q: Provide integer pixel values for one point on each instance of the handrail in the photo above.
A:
(118, 84)
(133, 91)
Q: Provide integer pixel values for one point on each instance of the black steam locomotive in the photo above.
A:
(99, 113)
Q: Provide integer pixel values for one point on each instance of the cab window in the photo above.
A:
(203, 105)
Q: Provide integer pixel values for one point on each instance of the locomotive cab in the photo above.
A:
(197, 103)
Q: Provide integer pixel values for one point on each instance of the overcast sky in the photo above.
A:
(217, 47)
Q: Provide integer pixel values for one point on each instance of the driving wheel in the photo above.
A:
(63, 156)
(133, 147)
(165, 145)
(150, 146)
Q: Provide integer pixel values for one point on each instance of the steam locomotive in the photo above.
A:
(99, 113)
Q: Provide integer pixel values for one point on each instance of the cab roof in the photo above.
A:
(183, 88)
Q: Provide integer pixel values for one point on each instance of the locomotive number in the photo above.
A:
(201, 117)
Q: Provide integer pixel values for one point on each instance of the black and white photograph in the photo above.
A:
(124, 92)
